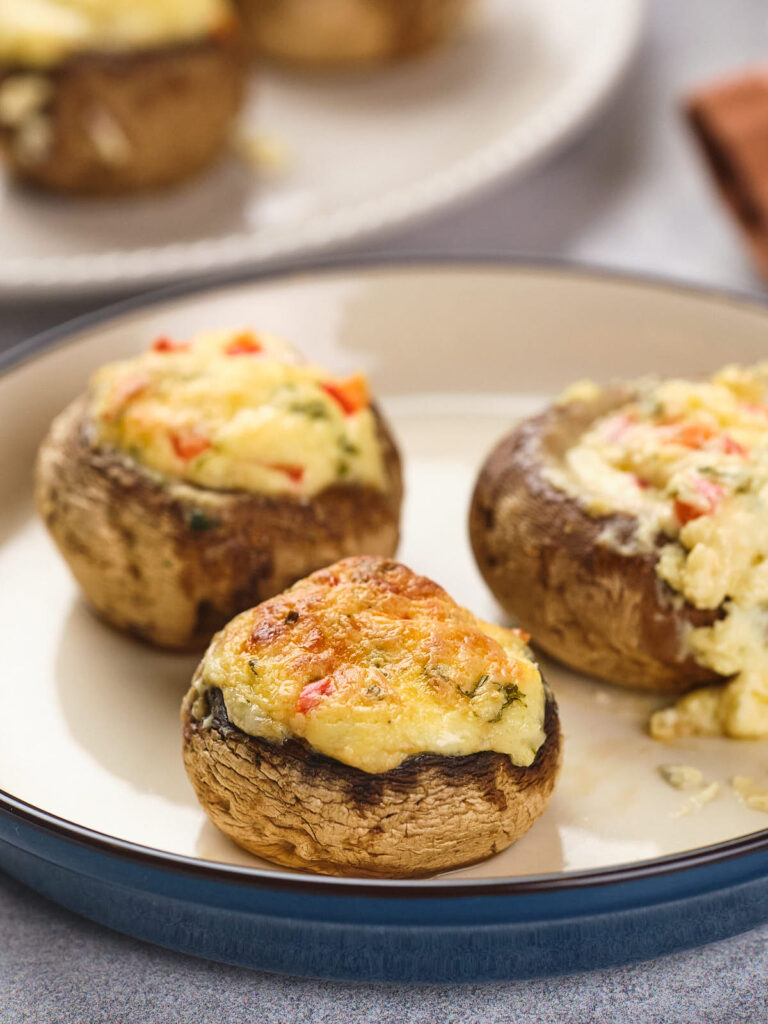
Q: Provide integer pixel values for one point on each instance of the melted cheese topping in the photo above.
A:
(233, 410)
(690, 461)
(44, 32)
(371, 664)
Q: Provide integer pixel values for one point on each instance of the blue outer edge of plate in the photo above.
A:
(343, 934)
(447, 931)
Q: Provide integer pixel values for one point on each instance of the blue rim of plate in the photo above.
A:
(40, 820)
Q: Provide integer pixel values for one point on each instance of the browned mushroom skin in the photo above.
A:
(288, 30)
(288, 804)
(173, 107)
(589, 604)
(170, 562)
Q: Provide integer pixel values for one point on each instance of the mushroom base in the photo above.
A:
(290, 805)
(120, 123)
(171, 563)
(578, 582)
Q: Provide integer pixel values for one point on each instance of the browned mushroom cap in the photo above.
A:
(350, 32)
(598, 608)
(172, 562)
(122, 122)
(290, 805)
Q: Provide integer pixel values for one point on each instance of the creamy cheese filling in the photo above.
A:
(41, 33)
(690, 461)
(370, 672)
(236, 410)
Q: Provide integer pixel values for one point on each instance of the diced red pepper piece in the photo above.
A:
(244, 344)
(616, 427)
(710, 492)
(188, 444)
(731, 447)
(166, 344)
(697, 435)
(293, 472)
(126, 390)
(642, 484)
(351, 393)
(693, 435)
(685, 512)
(312, 694)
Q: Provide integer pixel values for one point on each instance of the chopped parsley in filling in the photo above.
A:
(236, 410)
(690, 461)
(371, 664)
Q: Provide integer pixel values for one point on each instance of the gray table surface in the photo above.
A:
(629, 194)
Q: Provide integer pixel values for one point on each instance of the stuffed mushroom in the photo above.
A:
(348, 32)
(627, 528)
(206, 475)
(102, 97)
(363, 723)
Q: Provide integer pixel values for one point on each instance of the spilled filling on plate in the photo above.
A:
(237, 410)
(370, 664)
(41, 33)
(690, 461)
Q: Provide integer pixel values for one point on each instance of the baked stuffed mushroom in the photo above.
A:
(348, 32)
(103, 97)
(206, 475)
(363, 723)
(627, 527)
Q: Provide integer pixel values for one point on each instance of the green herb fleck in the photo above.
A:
(253, 666)
(652, 406)
(314, 410)
(511, 695)
(347, 447)
(737, 479)
(342, 469)
(198, 520)
(481, 681)
(292, 616)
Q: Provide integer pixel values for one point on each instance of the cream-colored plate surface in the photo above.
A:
(90, 729)
(363, 152)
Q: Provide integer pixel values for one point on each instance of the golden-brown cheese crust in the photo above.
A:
(599, 609)
(297, 808)
(370, 664)
(348, 32)
(170, 562)
(126, 122)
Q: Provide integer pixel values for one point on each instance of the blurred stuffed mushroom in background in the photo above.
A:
(103, 97)
(348, 33)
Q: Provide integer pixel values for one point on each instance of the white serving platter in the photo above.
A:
(457, 354)
(363, 153)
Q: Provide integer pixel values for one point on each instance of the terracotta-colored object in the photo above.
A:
(730, 119)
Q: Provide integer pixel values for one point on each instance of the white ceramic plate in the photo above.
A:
(457, 353)
(366, 152)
